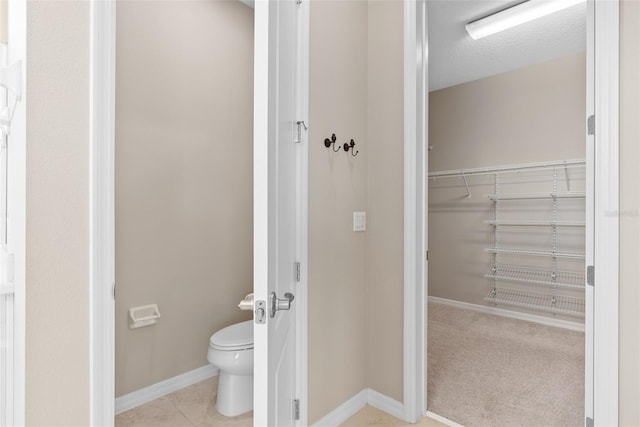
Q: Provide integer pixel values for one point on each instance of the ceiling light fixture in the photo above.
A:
(516, 15)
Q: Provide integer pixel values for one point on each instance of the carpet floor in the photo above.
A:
(486, 370)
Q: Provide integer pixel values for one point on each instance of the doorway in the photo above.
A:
(602, 84)
(506, 218)
(187, 140)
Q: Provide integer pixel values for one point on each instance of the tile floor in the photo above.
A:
(370, 416)
(195, 406)
(189, 407)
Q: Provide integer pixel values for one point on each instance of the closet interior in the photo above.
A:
(538, 234)
(506, 219)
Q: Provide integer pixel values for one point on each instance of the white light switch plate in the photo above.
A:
(359, 221)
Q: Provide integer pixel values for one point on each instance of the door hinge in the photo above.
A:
(591, 125)
(296, 409)
(114, 290)
(427, 255)
(591, 275)
(297, 271)
(589, 422)
(300, 124)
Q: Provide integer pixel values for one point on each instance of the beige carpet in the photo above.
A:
(486, 370)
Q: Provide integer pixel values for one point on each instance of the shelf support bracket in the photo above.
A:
(466, 185)
(566, 176)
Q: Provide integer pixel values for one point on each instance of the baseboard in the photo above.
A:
(154, 391)
(385, 403)
(443, 420)
(357, 402)
(344, 411)
(549, 321)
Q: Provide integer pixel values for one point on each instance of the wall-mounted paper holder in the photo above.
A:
(143, 315)
(246, 303)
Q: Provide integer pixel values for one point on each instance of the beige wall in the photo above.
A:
(3, 21)
(337, 187)
(184, 171)
(629, 214)
(355, 279)
(57, 241)
(528, 115)
(385, 179)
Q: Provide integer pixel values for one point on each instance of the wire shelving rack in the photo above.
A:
(548, 280)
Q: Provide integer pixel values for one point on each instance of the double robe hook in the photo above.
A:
(335, 147)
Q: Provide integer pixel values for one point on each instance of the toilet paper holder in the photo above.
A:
(144, 315)
(247, 303)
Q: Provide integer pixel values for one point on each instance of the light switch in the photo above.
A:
(359, 221)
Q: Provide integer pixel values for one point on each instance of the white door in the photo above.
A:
(275, 136)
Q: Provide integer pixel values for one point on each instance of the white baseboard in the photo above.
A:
(443, 420)
(349, 408)
(549, 321)
(343, 412)
(379, 401)
(154, 391)
(385, 403)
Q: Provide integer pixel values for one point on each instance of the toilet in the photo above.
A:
(231, 351)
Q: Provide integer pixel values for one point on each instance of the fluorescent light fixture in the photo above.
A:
(516, 15)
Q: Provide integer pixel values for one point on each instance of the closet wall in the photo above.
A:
(184, 171)
(528, 115)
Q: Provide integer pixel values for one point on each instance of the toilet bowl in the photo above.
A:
(231, 351)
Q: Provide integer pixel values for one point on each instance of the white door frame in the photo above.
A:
(601, 397)
(415, 191)
(16, 21)
(604, 14)
(102, 213)
(302, 219)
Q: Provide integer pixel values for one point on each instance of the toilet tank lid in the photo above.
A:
(235, 335)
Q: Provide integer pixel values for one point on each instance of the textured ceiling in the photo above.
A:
(454, 57)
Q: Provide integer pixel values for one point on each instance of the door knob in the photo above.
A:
(280, 304)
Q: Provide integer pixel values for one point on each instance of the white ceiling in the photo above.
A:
(454, 57)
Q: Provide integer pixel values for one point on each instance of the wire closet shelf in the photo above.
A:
(552, 279)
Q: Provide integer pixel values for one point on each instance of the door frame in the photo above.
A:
(601, 343)
(302, 218)
(102, 213)
(415, 226)
(16, 21)
(604, 16)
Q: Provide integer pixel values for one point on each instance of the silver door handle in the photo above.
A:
(280, 304)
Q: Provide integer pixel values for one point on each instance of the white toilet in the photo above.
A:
(231, 351)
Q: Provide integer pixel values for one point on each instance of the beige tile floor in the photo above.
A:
(195, 406)
(370, 416)
(189, 407)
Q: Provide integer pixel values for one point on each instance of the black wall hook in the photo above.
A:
(329, 142)
(351, 145)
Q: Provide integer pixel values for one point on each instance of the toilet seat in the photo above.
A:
(233, 338)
